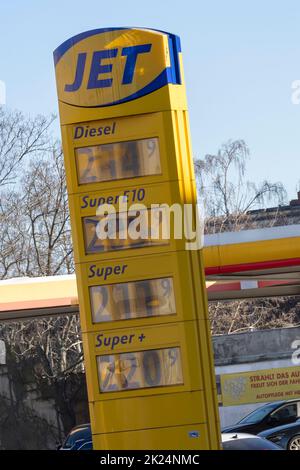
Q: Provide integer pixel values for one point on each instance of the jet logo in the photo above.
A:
(97, 68)
(108, 67)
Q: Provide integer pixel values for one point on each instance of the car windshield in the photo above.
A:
(258, 415)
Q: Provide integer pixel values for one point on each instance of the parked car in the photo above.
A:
(267, 417)
(79, 438)
(243, 441)
(286, 436)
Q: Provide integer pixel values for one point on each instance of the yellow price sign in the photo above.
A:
(130, 179)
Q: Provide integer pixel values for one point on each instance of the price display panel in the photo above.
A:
(129, 300)
(143, 369)
(123, 231)
(175, 360)
(135, 148)
(149, 289)
(118, 160)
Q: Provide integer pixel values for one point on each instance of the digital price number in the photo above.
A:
(129, 300)
(143, 369)
(118, 160)
(122, 231)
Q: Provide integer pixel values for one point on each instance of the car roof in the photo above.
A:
(280, 402)
(77, 429)
(81, 426)
(291, 400)
(228, 436)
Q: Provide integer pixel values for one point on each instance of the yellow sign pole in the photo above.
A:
(146, 335)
